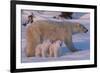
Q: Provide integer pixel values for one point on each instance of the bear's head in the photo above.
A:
(79, 28)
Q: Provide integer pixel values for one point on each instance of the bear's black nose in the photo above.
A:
(86, 31)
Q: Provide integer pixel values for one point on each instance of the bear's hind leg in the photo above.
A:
(32, 39)
(55, 52)
(50, 52)
(43, 52)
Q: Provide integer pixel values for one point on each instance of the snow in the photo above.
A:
(80, 55)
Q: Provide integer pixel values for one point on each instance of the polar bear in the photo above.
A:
(54, 48)
(42, 49)
(52, 30)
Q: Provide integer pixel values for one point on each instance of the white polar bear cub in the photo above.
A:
(42, 49)
(54, 48)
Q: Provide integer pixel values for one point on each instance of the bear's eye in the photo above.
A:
(82, 26)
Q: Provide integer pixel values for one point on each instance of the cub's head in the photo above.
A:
(79, 28)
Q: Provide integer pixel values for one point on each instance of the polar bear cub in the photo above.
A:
(54, 48)
(42, 49)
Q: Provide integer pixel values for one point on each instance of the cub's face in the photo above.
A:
(79, 28)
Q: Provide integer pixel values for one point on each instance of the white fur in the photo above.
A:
(54, 48)
(42, 49)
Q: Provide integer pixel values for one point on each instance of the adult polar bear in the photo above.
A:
(53, 30)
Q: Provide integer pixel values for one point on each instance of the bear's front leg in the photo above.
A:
(68, 42)
(55, 51)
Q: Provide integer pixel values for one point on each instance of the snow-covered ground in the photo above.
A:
(81, 41)
(80, 55)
